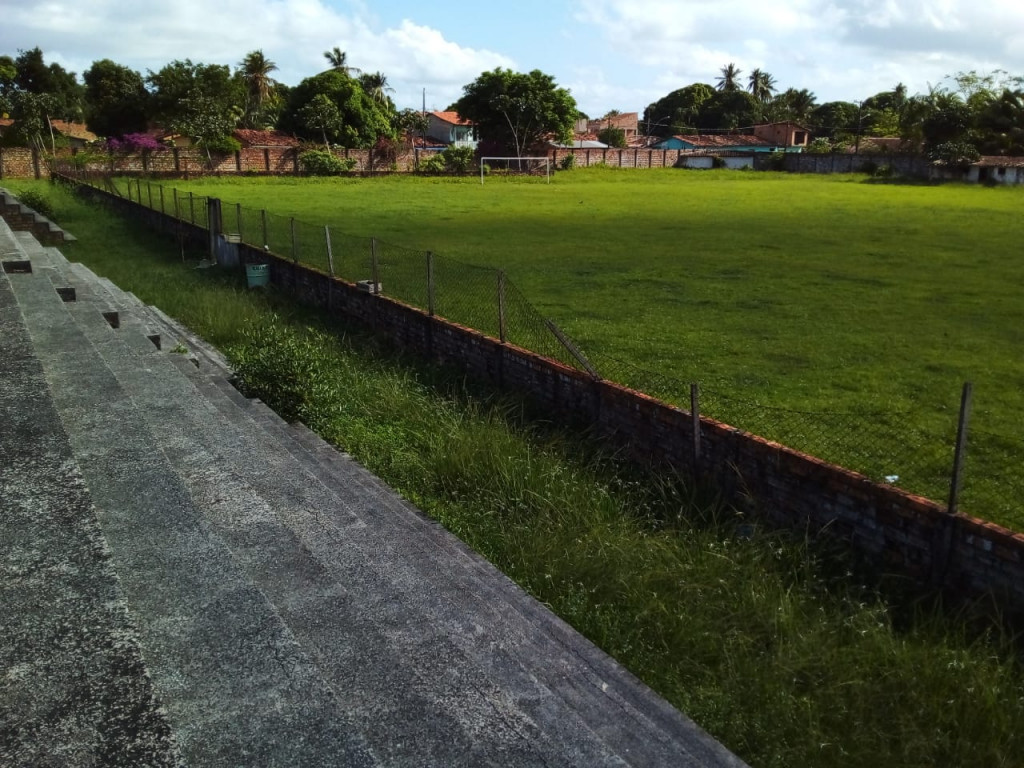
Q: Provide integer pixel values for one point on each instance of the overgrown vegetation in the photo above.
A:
(322, 162)
(762, 638)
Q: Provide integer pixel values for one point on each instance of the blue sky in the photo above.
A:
(612, 54)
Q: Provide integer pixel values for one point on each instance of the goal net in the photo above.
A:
(516, 166)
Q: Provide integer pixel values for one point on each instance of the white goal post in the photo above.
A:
(532, 163)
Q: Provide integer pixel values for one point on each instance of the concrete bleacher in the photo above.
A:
(188, 579)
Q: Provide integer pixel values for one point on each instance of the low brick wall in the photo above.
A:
(19, 163)
(893, 531)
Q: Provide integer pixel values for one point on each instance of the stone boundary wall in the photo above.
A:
(24, 163)
(20, 163)
(891, 530)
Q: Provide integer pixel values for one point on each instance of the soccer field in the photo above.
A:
(835, 314)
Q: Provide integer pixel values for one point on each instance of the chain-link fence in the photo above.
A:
(903, 448)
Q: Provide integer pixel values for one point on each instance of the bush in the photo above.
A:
(717, 162)
(567, 163)
(224, 145)
(37, 201)
(459, 159)
(320, 162)
(820, 146)
(433, 164)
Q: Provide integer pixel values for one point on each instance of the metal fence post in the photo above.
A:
(374, 266)
(174, 194)
(191, 209)
(149, 194)
(501, 306)
(430, 283)
(295, 245)
(330, 252)
(961, 448)
(162, 199)
(263, 221)
(238, 220)
(695, 424)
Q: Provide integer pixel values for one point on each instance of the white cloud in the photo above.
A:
(840, 49)
(292, 33)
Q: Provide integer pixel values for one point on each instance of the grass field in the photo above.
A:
(762, 638)
(835, 314)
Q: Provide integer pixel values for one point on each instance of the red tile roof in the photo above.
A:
(999, 161)
(715, 141)
(74, 130)
(451, 117)
(253, 138)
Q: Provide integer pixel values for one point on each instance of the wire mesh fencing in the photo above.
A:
(911, 450)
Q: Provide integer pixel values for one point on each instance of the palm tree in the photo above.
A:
(376, 85)
(255, 71)
(338, 60)
(797, 105)
(730, 78)
(761, 85)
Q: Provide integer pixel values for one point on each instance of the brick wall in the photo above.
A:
(891, 530)
(19, 163)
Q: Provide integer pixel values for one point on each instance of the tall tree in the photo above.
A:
(377, 86)
(729, 80)
(184, 86)
(678, 111)
(260, 92)
(115, 99)
(8, 75)
(516, 110)
(362, 120)
(795, 105)
(761, 85)
(62, 87)
(338, 60)
(729, 110)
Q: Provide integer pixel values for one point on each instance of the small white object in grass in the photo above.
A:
(891, 478)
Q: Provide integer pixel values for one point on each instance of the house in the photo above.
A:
(77, 134)
(451, 129)
(997, 169)
(715, 143)
(581, 141)
(793, 136)
(627, 122)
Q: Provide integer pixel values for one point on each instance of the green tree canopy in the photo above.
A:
(518, 111)
(727, 110)
(362, 120)
(65, 94)
(678, 111)
(115, 99)
(835, 119)
(183, 83)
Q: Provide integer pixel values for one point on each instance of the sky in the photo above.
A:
(611, 54)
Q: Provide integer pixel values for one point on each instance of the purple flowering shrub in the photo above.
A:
(132, 143)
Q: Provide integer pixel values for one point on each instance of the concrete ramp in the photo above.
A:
(188, 579)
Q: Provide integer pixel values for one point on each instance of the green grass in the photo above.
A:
(834, 314)
(762, 639)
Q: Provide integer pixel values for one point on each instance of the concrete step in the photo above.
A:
(235, 684)
(434, 656)
(75, 689)
(376, 630)
(583, 687)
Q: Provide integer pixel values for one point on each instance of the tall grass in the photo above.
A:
(765, 639)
